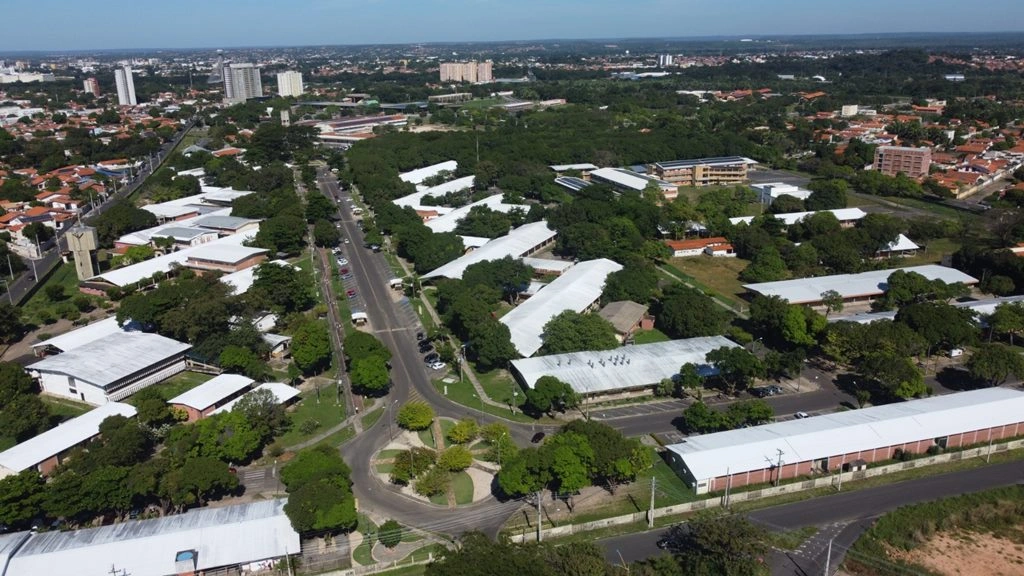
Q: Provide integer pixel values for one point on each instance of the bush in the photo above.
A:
(390, 534)
(275, 450)
(464, 432)
(83, 303)
(411, 463)
(415, 415)
(434, 482)
(55, 292)
(309, 426)
(455, 459)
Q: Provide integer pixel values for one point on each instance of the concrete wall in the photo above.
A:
(64, 386)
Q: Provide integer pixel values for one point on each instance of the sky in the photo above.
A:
(136, 24)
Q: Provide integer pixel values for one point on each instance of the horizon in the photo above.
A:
(194, 25)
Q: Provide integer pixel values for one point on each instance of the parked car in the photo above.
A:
(801, 415)
(432, 357)
(342, 261)
(537, 437)
(351, 293)
(425, 347)
(343, 271)
(345, 240)
(437, 365)
(420, 336)
(347, 276)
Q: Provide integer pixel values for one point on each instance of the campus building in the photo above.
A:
(200, 401)
(846, 440)
(912, 162)
(721, 171)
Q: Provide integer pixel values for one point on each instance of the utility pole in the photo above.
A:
(842, 468)
(778, 475)
(728, 485)
(10, 268)
(988, 456)
(540, 532)
(828, 557)
(650, 512)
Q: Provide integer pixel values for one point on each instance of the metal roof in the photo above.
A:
(745, 449)
(225, 253)
(282, 393)
(980, 307)
(576, 290)
(415, 200)
(548, 265)
(581, 166)
(448, 222)
(900, 244)
(623, 368)
(240, 281)
(627, 179)
(223, 536)
(106, 360)
(56, 440)
(212, 391)
(182, 232)
(623, 314)
(572, 183)
(222, 221)
(420, 174)
(716, 161)
(865, 284)
(82, 336)
(516, 244)
(132, 274)
(790, 218)
(141, 237)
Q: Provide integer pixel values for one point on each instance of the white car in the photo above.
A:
(342, 261)
(437, 365)
(801, 415)
(346, 240)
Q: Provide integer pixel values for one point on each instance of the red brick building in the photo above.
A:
(833, 442)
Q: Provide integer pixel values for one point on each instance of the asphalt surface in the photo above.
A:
(841, 517)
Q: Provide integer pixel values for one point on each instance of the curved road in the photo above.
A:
(411, 381)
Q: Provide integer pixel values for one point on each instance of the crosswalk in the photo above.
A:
(816, 546)
(254, 475)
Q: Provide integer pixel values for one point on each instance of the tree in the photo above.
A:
(749, 412)
(550, 393)
(736, 367)
(833, 301)
(785, 204)
(54, 292)
(365, 345)
(242, 360)
(484, 222)
(325, 234)
(1007, 320)
(939, 324)
(435, 481)
(283, 233)
(311, 347)
(994, 363)
(766, 266)
(121, 218)
(526, 473)
(21, 499)
(898, 376)
(319, 207)
(411, 463)
(491, 344)
(24, 417)
(153, 410)
(283, 286)
(326, 505)
(10, 323)
(390, 533)
(311, 465)
(571, 331)
(38, 232)
(720, 545)
(196, 481)
(828, 194)
(415, 415)
(370, 375)
(699, 418)
(455, 459)
(262, 411)
(14, 382)
(465, 431)
(684, 312)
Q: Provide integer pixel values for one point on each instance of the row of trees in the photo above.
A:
(320, 495)
(367, 359)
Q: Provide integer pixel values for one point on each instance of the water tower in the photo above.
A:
(83, 242)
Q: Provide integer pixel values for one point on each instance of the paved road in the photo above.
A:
(841, 517)
(397, 329)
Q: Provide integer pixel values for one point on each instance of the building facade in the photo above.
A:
(290, 84)
(242, 82)
(92, 86)
(723, 171)
(472, 71)
(125, 86)
(912, 162)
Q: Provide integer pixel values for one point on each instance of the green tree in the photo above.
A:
(465, 431)
(939, 324)
(309, 466)
(11, 326)
(491, 344)
(370, 375)
(699, 418)
(550, 393)
(325, 505)
(415, 415)
(1007, 320)
(284, 287)
(720, 545)
(994, 363)
(749, 412)
(153, 410)
(325, 234)
(833, 301)
(571, 331)
(766, 266)
(24, 417)
(411, 463)
(319, 207)
(435, 481)
(311, 347)
(456, 458)
(365, 345)
(390, 533)
(282, 233)
(242, 360)
(828, 194)
(262, 411)
(684, 312)
(898, 376)
(21, 499)
(736, 367)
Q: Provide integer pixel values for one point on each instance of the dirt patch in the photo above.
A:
(964, 553)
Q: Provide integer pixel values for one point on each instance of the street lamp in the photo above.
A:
(391, 430)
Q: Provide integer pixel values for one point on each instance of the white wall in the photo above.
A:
(60, 385)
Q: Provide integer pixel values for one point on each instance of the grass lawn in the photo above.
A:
(178, 384)
(338, 438)
(446, 425)
(37, 309)
(427, 437)
(421, 311)
(463, 393)
(720, 275)
(64, 408)
(326, 414)
(390, 453)
(363, 554)
(385, 468)
(440, 499)
(650, 336)
(462, 485)
(933, 252)
(482, 103)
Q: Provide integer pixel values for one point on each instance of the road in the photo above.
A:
(410, 381)
(841, 517)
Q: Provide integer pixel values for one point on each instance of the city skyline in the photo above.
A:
(195, 24)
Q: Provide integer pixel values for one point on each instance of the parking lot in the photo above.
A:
(760, 176)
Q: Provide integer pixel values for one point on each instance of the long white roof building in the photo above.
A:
(624, 368)
(518, 243)
(790, 218)
(418, 175)
(448, 222)
(864, 285)
(577, 289)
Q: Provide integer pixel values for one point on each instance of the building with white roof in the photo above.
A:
(572, 183)
(210, 198)
(630, 181)
(718, 171)
(822, 444)
(226, 258)
(767, 192)
(901, 246)
(519, 243)
(864, 286)
(122, 277)
(282, 392)
(584, 167)
(78, 337)
(578, 289)
(981, 308)
(210, 395)
(418, 175)
(145, 237)
(225, 540)
(625, 369)
(846, 217)
(448, 222)
(415, 200)
(548, 266)
(46, 451)
(110, 368)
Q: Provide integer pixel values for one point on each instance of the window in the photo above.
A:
(942, 441)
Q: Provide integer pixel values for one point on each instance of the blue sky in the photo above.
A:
(74, 24)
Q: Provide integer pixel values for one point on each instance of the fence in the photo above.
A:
(770, 491)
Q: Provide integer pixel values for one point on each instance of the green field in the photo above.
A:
(39, 310)
(720, 275)
(650, 336)
(427, 437)
(326, 413)
(363, 554)
(64, 408)
(462, 485)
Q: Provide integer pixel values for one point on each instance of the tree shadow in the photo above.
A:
(959, 380)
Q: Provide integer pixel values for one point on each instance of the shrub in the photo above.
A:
(309, 426)
(390, 534)
(434, 482)
(464, 432)
(415, 415)
(455, 459)
(411, 463)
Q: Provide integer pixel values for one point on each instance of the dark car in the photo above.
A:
(343, 271)
(537, 437)
(420, 336)
(425, 347)
(664, 543)
(350, 293)
(432, 357)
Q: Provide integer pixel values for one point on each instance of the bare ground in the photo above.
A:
(968, 553)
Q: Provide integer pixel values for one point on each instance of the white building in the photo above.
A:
(290, 84)
(578, 289)
(242, 82)
(518, 243)
(125, 86)
(448, 222)
(767, 192)
(418, 175)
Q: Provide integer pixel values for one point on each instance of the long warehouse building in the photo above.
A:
(839, 441)
(862, 287)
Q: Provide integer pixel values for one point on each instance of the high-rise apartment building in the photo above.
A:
(92, 86)
(913, 162)
(242, 82)
(290, 83)
(664, 60)
(473, 72)
(125, 86)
